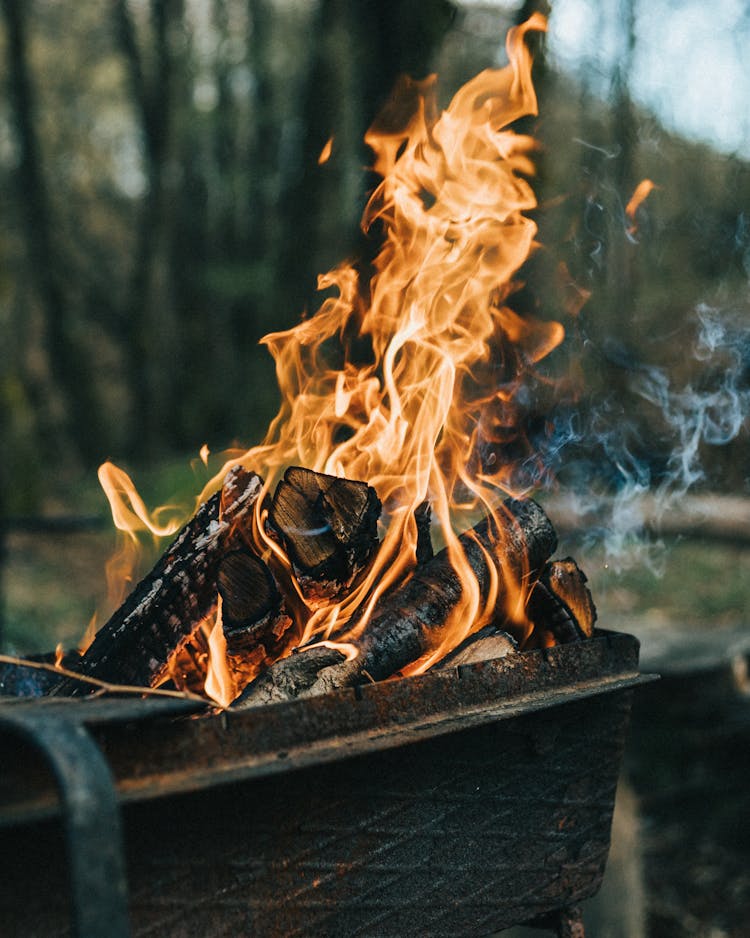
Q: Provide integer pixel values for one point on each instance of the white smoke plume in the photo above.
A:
(618, 495)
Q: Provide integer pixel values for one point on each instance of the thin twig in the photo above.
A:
(105, 686)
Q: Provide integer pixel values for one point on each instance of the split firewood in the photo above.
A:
(408, 621)
(328, 526)
(488, 643)
(255, 621)
(561, 603)
(162, 612)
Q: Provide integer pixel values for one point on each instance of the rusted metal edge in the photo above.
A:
(257, 765)
(154, 749)
(91, 816)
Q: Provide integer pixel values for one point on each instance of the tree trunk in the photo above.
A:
(69, 367)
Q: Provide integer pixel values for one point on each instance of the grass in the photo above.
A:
(53, 584)
(697, 584)
(52, 587)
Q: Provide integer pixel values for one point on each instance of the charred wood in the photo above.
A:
(167, 606)
(423, 518)
(328, 526)
(255, 621)
(19, 680)
(561, 603)
(409, 619)
(312, 670)
(404, 629)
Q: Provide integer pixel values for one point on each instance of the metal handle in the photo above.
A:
(91, 818)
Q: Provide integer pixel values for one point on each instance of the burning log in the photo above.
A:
(254, 617)
(329, 529)
(488, 643)
(167, 606)
(561, 603)
(408, 619)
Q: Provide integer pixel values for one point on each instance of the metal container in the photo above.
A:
(459, 802)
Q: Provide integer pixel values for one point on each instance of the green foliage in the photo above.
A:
(187, 215)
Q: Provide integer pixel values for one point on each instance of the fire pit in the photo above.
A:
(422, 738)
(458, 802)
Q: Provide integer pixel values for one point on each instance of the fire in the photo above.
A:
(429, 409)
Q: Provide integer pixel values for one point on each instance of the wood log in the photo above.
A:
(408, 621)
(256, 625)
(167, 606)
(561, 604)
(708, 517)
(488, 643)
(328, 526)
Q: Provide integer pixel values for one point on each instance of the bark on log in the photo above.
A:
(407, 622)
(162, 612)
(423, 518)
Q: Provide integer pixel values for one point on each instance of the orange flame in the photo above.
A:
(446, 359)
(408, 420)
(219, 684)
(132, 519)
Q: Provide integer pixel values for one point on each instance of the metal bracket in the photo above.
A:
(91, 819)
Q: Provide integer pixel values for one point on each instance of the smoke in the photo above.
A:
(626, 459)
(713, 415)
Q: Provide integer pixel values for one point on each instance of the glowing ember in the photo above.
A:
(424, 415)
(325, 153)
(642, 191)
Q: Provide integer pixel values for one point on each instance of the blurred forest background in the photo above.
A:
(163, 208)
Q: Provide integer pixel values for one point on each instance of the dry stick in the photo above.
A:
(408, 620)
(102, 685)
(134, 646)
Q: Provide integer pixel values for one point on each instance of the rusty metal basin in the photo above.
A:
(459, 802)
